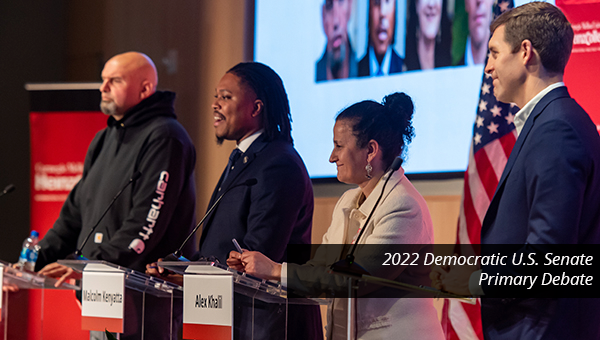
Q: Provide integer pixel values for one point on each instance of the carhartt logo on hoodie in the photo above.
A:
(137, 244)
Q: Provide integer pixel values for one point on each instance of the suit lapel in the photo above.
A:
(216, 191)
(240, 165)
(243, 162)
(537, 110)
(514, 154)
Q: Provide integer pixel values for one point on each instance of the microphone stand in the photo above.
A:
(352, 269)
(176, 255)
(9, 188)
(77, 255)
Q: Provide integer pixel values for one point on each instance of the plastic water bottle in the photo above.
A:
(29, 253)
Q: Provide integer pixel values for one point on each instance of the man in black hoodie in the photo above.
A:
(155, 213)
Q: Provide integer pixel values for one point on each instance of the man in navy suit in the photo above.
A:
(252, 108)
(381, 58)
(549, 192)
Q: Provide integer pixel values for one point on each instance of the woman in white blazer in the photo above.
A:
(368, 137)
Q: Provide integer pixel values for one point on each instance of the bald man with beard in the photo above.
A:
(156, 212)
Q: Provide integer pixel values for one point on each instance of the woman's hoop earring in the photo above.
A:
(369, 168)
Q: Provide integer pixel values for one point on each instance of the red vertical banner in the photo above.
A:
(59, 141)
(63, 122)
(582, 73)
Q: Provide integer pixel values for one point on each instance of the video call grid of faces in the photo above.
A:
(384, 37)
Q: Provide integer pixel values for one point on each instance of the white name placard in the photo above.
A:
(103, 300)
(208, 306)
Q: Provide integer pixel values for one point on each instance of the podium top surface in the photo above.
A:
(25, 279)
(215, 268)
(264, 290)
(133, 279)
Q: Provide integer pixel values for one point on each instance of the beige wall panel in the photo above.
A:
(221, 37)
(444, 215)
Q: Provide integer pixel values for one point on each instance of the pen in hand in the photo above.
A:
(236, 263)
(237, 246)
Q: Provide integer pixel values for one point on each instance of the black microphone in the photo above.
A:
(9, 188)
(77, 254)
(348, 266)
(176, 256)
(396, 164)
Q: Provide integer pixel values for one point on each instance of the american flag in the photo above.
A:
(494, 136)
